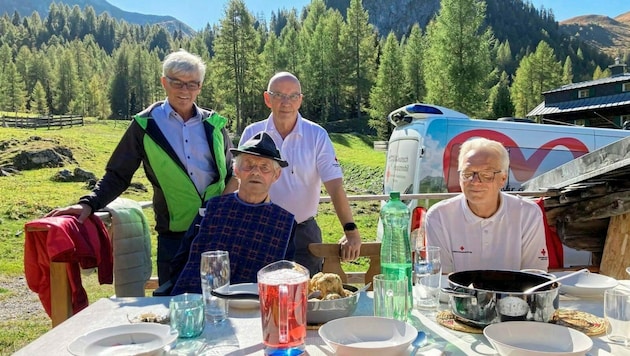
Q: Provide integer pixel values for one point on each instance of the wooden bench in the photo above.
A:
(332, 261)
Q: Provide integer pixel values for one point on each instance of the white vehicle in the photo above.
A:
(424, 146)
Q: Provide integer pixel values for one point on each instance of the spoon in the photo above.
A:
(420, 341)
(554, 280)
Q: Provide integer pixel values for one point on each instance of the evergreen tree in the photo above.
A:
(15, 94)
(500, 101)
(457, 60)
(66, 84)
(537, 73)
(235, 49)
(567, 71)
(359, 43)
(598, 73)
(119, 90)
(412, 66)
(387, 94)
(38, 104)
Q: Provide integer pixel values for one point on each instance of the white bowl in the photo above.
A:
(586, 284)
(127, 339)
(533, 338)
(368, 336)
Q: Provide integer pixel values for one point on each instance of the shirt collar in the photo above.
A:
(297, 129)
(170, 113)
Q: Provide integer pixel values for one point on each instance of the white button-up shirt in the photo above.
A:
(513, 238)
(312, 160)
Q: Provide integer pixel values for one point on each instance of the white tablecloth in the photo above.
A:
(241, 333)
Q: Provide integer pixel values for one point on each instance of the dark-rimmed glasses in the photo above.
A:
(279, 96)
(178, 84)
(484, 176)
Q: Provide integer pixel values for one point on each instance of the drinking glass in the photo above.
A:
(428, 275)
(617, 313)
(186, 314)
(215, 273)
(283, 290)
(391, 297)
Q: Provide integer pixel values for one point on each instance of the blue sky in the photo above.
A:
(198, 13)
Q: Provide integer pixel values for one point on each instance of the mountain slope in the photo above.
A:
(611, 36)
(27, 7)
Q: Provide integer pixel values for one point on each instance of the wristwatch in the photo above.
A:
(349, 226)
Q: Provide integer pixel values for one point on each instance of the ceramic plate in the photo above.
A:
(128, 339)
(244, 303)
(586, 284)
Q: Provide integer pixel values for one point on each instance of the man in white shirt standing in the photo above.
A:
(312, 160)
(484, 228)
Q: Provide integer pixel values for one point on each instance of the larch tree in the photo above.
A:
(387, 94)
(359, 44)
(413, 49)
(457, 66)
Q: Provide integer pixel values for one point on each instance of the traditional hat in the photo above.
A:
(260, 145)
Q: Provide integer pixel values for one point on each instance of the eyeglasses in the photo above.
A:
(484, 176)
(279, 96)
(178, 84)
(263, 168)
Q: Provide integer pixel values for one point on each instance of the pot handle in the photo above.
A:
(456, 293)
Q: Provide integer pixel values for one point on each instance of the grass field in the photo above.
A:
(31, 194)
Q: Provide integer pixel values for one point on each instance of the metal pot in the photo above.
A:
(483, 297)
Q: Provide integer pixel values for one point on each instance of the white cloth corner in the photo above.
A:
(131, 247)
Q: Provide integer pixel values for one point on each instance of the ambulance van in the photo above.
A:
(424, 146)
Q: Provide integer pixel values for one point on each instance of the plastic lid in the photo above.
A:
(394, 195)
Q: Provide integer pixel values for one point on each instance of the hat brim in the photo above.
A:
(236, 152)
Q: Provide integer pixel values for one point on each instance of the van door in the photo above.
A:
(402, 159)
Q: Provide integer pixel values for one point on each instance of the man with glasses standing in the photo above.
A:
(184, 150)
(312, 160)
(484, 228)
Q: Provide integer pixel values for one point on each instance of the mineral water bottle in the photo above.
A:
(395, 247)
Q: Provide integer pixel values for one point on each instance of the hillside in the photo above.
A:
(611, 36)
(26, 8)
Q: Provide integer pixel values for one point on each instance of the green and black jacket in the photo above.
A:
(175, 198)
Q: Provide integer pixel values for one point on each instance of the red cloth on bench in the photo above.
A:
(64, 239)
(554, 245)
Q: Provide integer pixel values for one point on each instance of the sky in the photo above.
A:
(198, 13)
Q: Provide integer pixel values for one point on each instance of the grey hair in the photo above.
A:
(487, 145)
(182, 61)
(236, 161)
(283, 75)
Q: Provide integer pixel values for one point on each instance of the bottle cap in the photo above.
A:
(394, 195)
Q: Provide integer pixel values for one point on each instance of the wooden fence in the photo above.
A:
(48, 122)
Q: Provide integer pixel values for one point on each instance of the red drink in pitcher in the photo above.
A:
(283, 289)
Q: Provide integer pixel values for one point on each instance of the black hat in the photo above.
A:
(260, 145)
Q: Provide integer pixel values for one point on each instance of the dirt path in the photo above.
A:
(17, 300)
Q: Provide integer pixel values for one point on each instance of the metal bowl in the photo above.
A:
(322, 311)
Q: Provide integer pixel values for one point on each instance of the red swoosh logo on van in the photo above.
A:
(526, 167)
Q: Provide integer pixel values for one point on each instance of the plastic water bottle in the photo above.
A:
(395, 246)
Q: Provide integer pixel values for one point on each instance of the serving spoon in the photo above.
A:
(554, 280)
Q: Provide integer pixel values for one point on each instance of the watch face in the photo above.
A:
(349, 226)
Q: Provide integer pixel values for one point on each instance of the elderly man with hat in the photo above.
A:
(246, 223)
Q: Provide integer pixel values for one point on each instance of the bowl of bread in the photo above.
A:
(330, 299)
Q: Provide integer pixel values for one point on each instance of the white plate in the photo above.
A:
(368, 336)
(127, 339)
(534, 338)
(586, 284)
(244, 303)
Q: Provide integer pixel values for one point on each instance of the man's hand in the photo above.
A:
(82, 210)
(350, 245)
